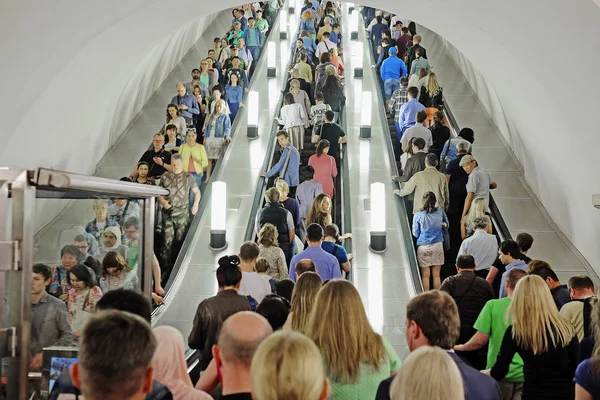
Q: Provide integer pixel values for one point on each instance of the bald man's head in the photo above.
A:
(240, 336)
(305, 265)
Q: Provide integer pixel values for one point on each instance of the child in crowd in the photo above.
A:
(262, 266)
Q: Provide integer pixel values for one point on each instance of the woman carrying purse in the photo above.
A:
(83, 297)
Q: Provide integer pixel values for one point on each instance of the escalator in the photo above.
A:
(500, 228)
(193, 277)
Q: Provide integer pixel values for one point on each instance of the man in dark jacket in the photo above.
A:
(457, 187)
(274, 213)
(414, 164)
(432, 320)
(470, 292)
(413, 50)
(212, 312)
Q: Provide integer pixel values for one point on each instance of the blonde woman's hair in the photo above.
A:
(282, 186)
(536, 323)
(442, 380)
(287, 365)
(330, 69)
(477, 210)
(339, 327)
(307, 14)
(223, 105)
(295, 83)
(316, 215)
(333, 51)
(303, 298)
(99, 203)
(268, 235)
(596, 332)
(432, 84)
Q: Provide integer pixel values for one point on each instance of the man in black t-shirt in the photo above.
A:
(332, 132)
(158, 159)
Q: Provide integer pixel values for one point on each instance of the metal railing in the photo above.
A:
(404, 211)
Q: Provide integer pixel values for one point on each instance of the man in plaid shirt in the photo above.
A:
(399, 97)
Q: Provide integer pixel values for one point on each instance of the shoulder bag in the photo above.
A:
(458, 300)
(82, 316)
(285, 164)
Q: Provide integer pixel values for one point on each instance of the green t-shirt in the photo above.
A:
(492, 322)
(370, 378)
(261, 24)
(133, 255)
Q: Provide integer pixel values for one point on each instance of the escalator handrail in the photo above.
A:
(206, 195)
(495, 215)
(193, 356)
(403, 212)
(343, 176)
(261, 188)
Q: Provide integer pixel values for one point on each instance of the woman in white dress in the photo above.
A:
(294, 119)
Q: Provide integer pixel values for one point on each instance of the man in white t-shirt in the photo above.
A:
(418, 130)
(252, 283)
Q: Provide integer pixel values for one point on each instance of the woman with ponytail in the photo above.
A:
(428, 225)
(213, 311)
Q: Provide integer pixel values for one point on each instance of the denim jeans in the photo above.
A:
(255, 51)
(198, 178)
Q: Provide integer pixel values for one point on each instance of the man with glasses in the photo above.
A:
(157, 158)
(82, 242)
(132, 231)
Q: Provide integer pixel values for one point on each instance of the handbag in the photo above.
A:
(82, 316)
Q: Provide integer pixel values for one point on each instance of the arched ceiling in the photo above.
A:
(65, 65)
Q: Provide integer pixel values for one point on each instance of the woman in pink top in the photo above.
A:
(324, 166)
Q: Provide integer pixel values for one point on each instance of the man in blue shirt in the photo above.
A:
(334, 35)
(408, 112)
(187, 104)
(288, 166)
(327, 265)
(392, 69)
(245, 54)
(254, 38)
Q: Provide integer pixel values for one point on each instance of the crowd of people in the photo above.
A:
(537, 354)
(312, 340)
(284, 323)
